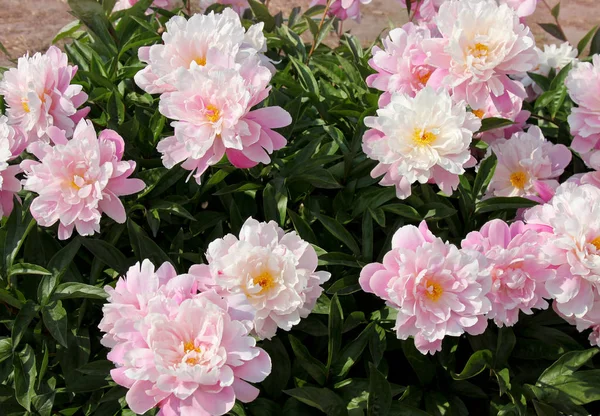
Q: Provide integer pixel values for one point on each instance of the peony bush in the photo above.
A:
(207, 210)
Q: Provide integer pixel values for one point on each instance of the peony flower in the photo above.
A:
(238, 6)
(11, 145)
(582, 84)
(481, 44)
(214, 40)
(212, 107)
(78, 180)
(189, 358)
(516, 114)
(128, 301)
(552, 57)
(573, 217)
(517, 267)
(590, 320)
(39, 95)
(424, 10)
(342, 9)
(422, 139)
(400, 65)
(528, 165)
(438, 289)
(267, 272)
(163, 4)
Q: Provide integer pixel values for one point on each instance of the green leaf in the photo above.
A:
(5, 349)
(477, 362)
(27, 268)
(275, 200)
(484, 176)
(585, 40)
(367, 236)
(73, 290)
(314, 367)
(503, 203)
(262, 14)
(302, 227)
(91, 13)
(9, 299)
(17, 229)
(555, 10)
(339, 232)
(553, 30)
(491, 123)
(172, 208)
(542, 81)
(144, 247)
(434, 211)
(595, 46)
(281, 372)
(55, 320)
(506, 344)
(67, 31)
(380, 393)
(336, 320)
(352, 352)
(107, 254)
(22, 321)
(338, 259)
(567, 365)
(421, 364)
(323, 399)
(25, 373)
(403, 210)
(319, 178)
(239, 187)
(307, 79)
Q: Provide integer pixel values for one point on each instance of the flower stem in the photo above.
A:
(562, 32)
(314, 44)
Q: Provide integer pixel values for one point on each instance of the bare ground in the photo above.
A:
(30, 25)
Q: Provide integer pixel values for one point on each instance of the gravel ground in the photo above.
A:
(30, 25)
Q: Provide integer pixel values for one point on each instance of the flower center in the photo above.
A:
(212, 113)
(422, 138)
(478, 113)
(433, 290)
(596, 243)
(265, 280)
(189, 347)
(479, 50)
(423, 73)
(518, 179)
(25, 105)
(201, 61)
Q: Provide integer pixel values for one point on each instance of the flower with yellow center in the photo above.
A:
(188, 347)
(25, 105)
(265, 280)
(423, 137)
(596, 243)
(433, 290)
(478, 113)
(479, 50)
(212, 113)
(518, 179)
(201, 61)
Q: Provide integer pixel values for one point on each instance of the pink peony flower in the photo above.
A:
(518, 269)
(78, 180)
(582, 84)
(424, 10)
(189, 358)
(238, 6)
(212, 107)
(551, 57)
(267, 272)
(438, 289)
(342, 9)
(214, 40)
(400, 65)
(528, 165)
(163, 4)
(39, 95)
(481, 44)
(423, 139)
(573, 217)
(128, 301)
(11, 145)
(516, 114)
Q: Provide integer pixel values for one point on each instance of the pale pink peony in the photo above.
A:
(552, 57)
(518, 268)
(573, 217)
(582, 84)
(11, 145)
(238, 6)
(212, 107)
(213, 40)
(528, 165)
(481, 45)
(422, 139)
(189, 358)
(77, 180)
(163, 4)
(516, 114)
(39, 95)
(438, 289)
(400, 65)
(342, 9)
(128, 300)
(266, 272)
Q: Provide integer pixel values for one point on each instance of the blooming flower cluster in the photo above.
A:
(183, 342)
(582, 83)
(211, 72)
